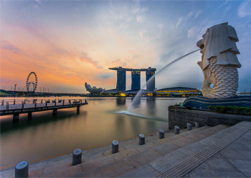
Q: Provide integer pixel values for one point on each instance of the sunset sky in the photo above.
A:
(68, 43)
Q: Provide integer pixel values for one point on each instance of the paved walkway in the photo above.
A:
(203, 152)
(233, 161)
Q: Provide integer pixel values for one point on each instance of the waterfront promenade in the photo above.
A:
(219, 151)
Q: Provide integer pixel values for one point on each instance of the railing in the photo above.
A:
(25, 104)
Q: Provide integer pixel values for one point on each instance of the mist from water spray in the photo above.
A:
(137, 97)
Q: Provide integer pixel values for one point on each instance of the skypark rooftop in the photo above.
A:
(130, 69)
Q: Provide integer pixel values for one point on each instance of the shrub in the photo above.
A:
(209, 107)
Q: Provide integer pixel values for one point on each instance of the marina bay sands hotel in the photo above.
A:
(121, 78)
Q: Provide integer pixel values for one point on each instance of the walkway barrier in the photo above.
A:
(22, 169)
(115, 146)
(176, 130)
(189, 126)
(161, 134)
(77, 156)
(141, 139)
(197, 125)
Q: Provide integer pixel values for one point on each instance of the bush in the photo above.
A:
(223, 109)
(231, 109)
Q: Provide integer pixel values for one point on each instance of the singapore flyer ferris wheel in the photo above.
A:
(33, 82)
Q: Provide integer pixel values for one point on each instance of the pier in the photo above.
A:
(15, 109)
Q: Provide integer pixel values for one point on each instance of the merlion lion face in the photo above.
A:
(219, 62)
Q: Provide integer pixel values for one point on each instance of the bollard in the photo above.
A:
(161, 134)
(77, 156)
(115, 146)
(35, 104)
(24, 101)
(177, 130)
(41, 100)
(7, 105)
(69, 101)
(22, 105)
(189, 126)
(14, 102)
(21, 169)
(197, 125)
(141, 139)
(63, 101)
(2, 102)
(86, 101)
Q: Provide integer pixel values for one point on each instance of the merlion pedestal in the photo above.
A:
(219, 65)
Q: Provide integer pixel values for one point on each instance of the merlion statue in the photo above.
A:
(219, 62)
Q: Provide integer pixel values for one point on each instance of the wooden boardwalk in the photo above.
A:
(16, 109)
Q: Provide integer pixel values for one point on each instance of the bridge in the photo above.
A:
(16, 108)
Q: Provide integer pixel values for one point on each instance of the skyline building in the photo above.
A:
(150, 86)
(135, 80)
(121, 78)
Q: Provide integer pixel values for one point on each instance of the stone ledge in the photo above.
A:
(180, 116)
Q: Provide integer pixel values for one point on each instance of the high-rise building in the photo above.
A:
(150, 82)
(121, 79)
(135, 80)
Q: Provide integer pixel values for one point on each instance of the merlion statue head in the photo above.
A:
(219, 62)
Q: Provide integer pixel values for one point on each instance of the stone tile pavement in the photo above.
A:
(233, 161)
(156, 156)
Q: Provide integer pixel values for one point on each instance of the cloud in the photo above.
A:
(179, 21)
(105, 76)
(223, 4)
(8, 46)
(197, 14)
(140, 34)
(140, 18)
(192, 32)
(194, 13)
(244, 9)
(70, 74)
(84, 58)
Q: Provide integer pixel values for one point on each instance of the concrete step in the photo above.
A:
(100, 162)
(180, 161)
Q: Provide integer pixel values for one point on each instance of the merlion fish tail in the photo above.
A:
(223, 78)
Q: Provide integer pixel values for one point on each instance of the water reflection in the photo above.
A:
(136, 102)
(121, 101)
(46, 136)
(150, 104)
